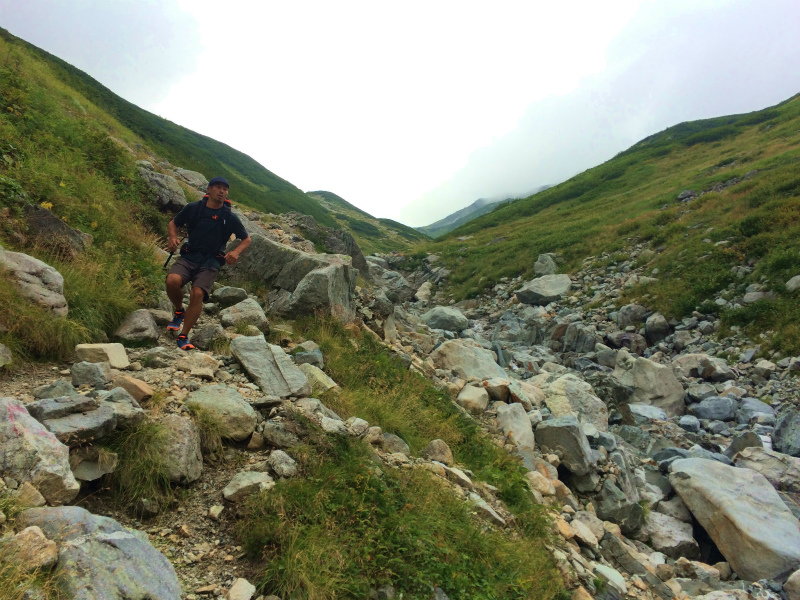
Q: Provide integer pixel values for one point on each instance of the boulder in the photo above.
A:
(656, 328)
(781, 470)
(270, 367)
(570, 395)
(205, 337)
(715, 408)
(113, 354)
(792, 585)
(652, 383)
(139, 326)
(793, 284)
(77, 428)
(54, 390)
(246, 484)
(439, 451)
(445, 317)
(37, 281)
(670, 536)
(183, 459)
(193, 178)
(282, 464)
(55, 408)
(643, 413)
(198, 365)
(138, 389)
(748, 439)
(632, 342)
(786, 437)
(30, 453)
(544, 290)
(394, 443)
(329, 289)
(96, 375)
(703, 366)
(423, 293)
(317, 378)
(236, 418)
(750, 407)
(31, 548)
(515, 424)
(744, 516)
(545, 265)
(613, 505)
(248, 311)
(227, 295)
(54, 234)
(473, 398)
(98, 558)
(164, 189)
(580, 338)
(125, 407)
(631, 314)
(467, 359)
(564, 437)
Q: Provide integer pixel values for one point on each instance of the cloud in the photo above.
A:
(673, 62)
(137, 48)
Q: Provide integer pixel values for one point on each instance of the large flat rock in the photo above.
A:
(467, 359)
(236, 418)
(270, 367)
(652, 383)
(544, 290)
(743, 514)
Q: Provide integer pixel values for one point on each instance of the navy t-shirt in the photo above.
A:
(208, 235)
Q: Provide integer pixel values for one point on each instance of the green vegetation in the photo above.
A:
(210, 432)
(141, 474)
(633, 198)
(252, 183)
(58, 152)
(346, 526)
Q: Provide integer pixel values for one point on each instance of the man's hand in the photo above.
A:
(231, 257)
(173, 244)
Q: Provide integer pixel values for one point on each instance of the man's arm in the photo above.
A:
(232, 256)
(172, 229)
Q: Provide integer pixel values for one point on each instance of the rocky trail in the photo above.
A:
(670, 456)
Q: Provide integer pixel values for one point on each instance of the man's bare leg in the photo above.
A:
(196, 297)
(175, 290)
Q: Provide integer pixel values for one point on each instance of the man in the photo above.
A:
(210, 223)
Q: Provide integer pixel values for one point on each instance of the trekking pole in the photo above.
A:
(171, 254)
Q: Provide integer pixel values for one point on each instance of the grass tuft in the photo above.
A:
(210, 431)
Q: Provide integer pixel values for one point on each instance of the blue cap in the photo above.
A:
(219, 181)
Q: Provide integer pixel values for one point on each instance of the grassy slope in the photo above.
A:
(253, 184)
(607, 207)
(372, 235)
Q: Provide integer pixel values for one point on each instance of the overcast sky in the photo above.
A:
(414, 110)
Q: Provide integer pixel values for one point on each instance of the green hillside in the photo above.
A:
(633, 197)
(372, 235)
(253, 184)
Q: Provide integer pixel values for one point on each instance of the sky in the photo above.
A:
(414, 110)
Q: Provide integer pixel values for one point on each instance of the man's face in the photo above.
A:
(218, 192)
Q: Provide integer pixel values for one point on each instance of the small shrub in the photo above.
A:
(210, 433)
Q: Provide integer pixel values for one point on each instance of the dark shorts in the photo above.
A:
(201, 277)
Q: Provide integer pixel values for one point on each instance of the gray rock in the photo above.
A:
(631, 314)
(545, 265)
(656, 328)
(633, 342)
(579, 338)
(744, 516)
(36, 281)
(652, 383)
(30, 453)
(793, 284)
(329, 290)
(54, 390)
(786, 437)
(740, 442)
(564, 436)
(765, 368)
(393, 443)
(704, 366)
(126, 409)
(164, 189)
(670, 536)
(204, 337)
(139, 326)
(675, 508)
(236, 418)
(193, 178)
(570, 395)
(247, 311)
(114, 354)
(750, 407)
(245, 484)
(88, 464)
(277, 436)
(314, 357)
(792, 585)
(544, 290)
(644, 413)
(76, 428)
(55, 408)
(467, 359)
(473, 398)
(715, 408)
(96, 375)
(781, 470)
(270, 367)
(183, 459)
(439, 451)
(689, 423)
(317, 379)
(98, 558)
(54, 234)
(282, 464)
(515, 424)
(445, 317)
(613, 505)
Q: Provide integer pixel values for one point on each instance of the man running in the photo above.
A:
(210, 223)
